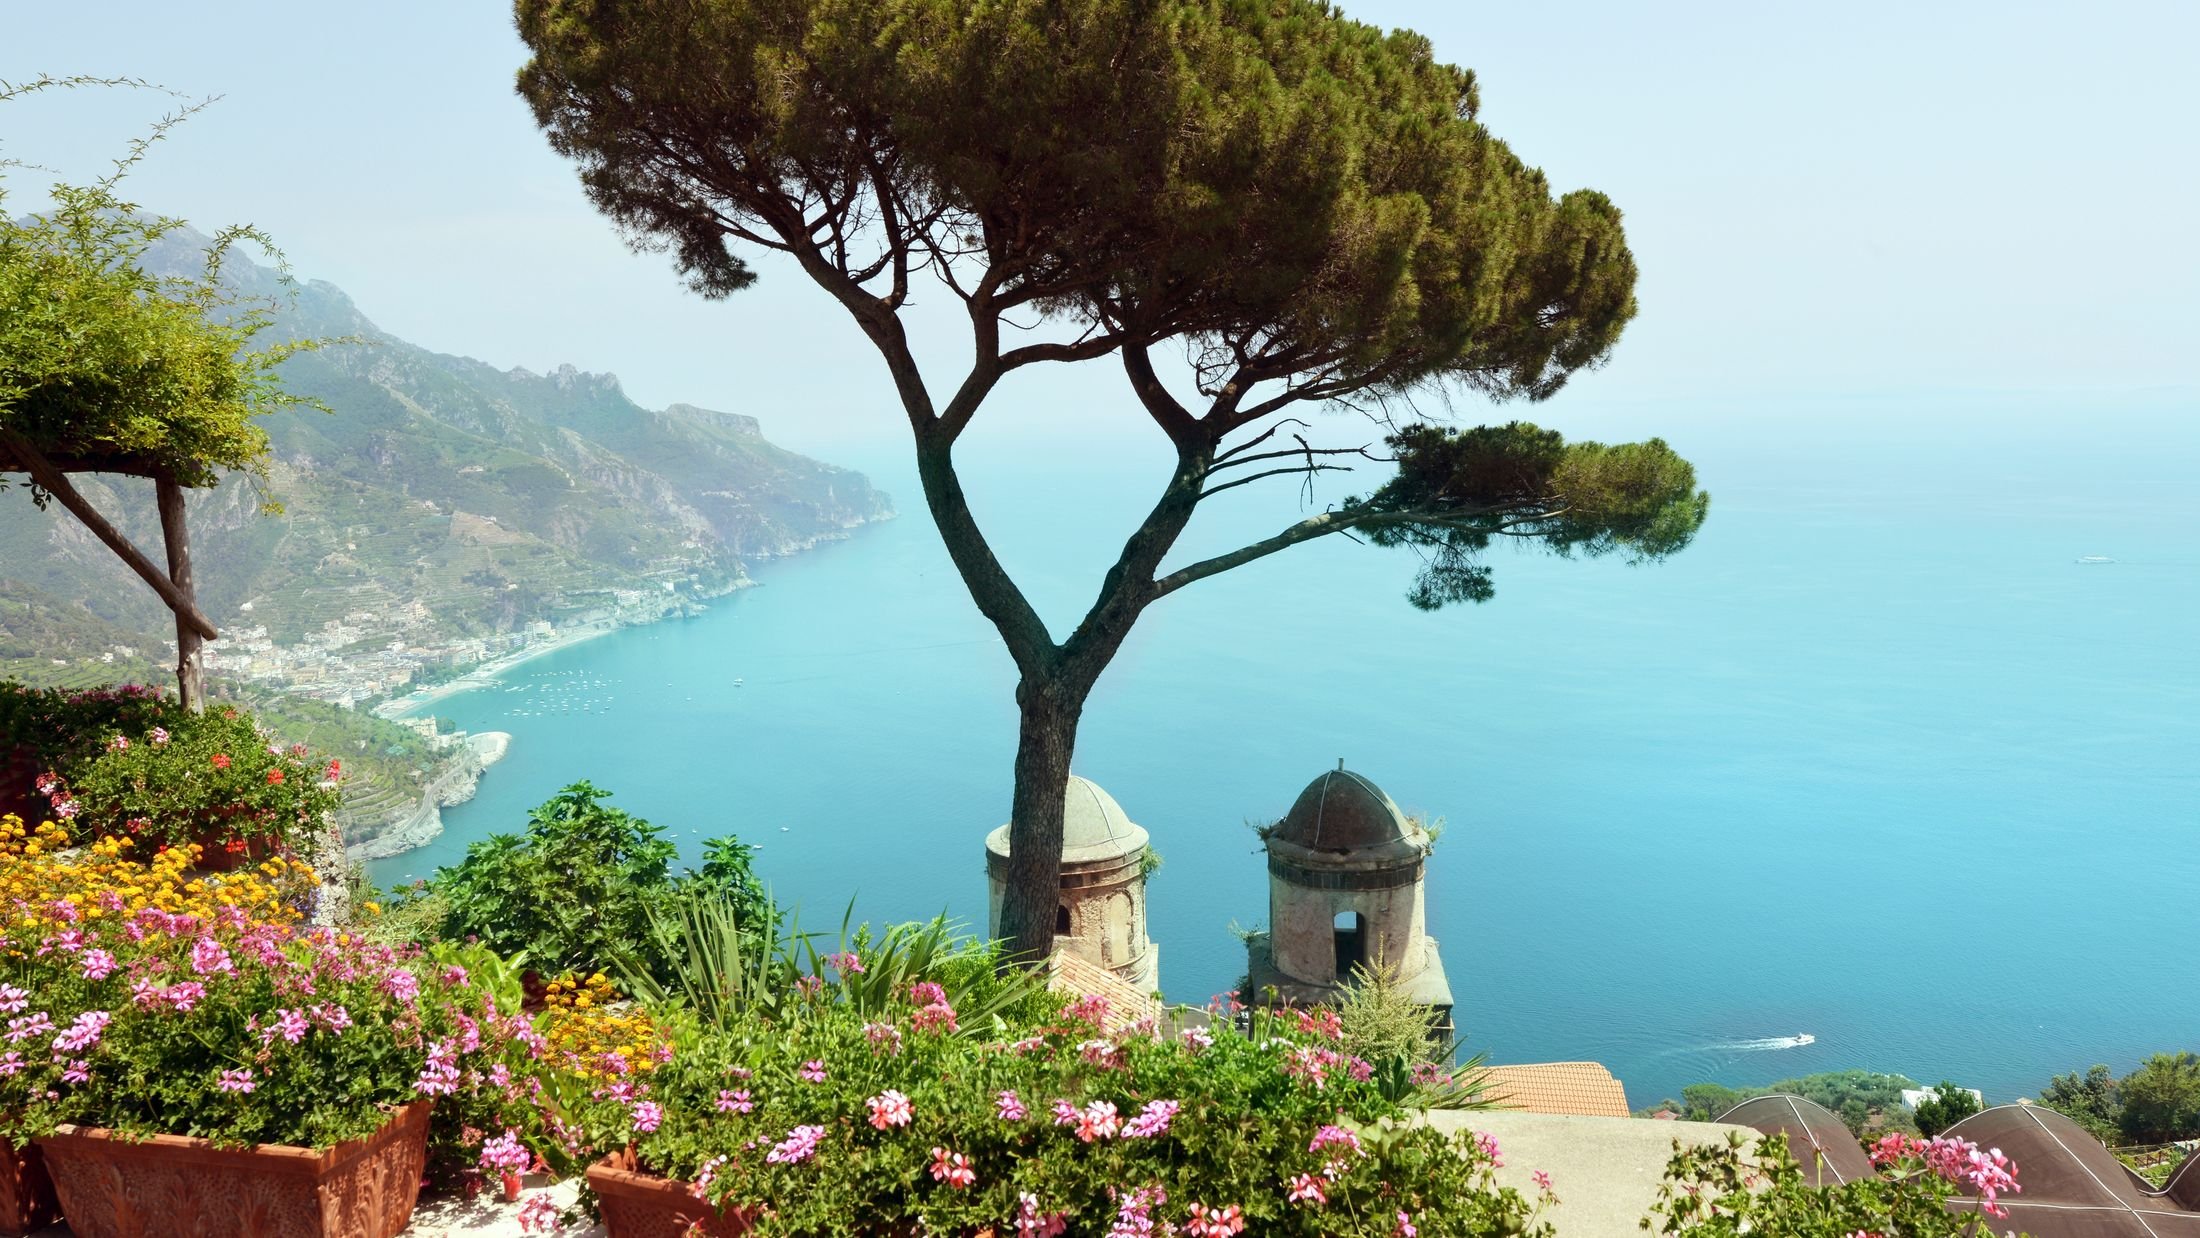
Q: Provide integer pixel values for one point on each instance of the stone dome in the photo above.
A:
(1094, 827)
(1342, 812)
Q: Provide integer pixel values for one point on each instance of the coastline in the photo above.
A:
(485, 674)
(455, 785)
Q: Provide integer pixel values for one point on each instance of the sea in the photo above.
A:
(1884, 772)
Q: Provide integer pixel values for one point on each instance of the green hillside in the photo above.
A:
(492, 497)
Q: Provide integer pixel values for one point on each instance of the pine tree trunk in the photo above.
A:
(1046, 736)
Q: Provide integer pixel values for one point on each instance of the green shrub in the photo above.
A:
(724, 973)
(584, 888)
(62, 729)
(211, 777)
(1947, 1106)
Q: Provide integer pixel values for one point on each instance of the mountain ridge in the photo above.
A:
(494, 497)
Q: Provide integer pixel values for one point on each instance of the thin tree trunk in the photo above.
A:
(53, 481)
(1046, 736)
(190, 681)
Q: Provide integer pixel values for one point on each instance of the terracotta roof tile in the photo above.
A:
(1126, 1005)
(1583, 1089)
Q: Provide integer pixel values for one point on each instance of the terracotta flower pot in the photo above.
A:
(26, 1194)
(511, 1187)
(643, 1205)
(111, 1187)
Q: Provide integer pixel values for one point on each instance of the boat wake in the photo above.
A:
(1765, 1045)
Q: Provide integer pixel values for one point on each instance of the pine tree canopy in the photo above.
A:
(1307, 206)
(1302, 195)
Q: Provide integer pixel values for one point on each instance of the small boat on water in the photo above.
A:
(2093, 559)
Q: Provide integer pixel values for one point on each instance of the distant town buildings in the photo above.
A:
(366, 656)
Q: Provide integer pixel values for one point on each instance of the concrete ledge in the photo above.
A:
(1604, 1171)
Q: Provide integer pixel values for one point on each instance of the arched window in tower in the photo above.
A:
(1061, 920)
(1351, 933)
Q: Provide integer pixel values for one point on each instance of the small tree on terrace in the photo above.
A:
(107, 367)
(1303, 208)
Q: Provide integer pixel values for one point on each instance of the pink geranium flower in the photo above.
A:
(890, 1109)
(953, 1168)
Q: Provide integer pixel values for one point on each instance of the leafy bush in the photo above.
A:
(1947, 1106)
(1414, 1064)
(2161, 1099)
(2091, 1100)
(851, 1102)
(584, 887)
(212, 778)
(62, 729)
(724, 973)
(1725, 1191)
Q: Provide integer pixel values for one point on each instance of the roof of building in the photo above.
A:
(2074, 1187)
(1070, 973)
(1582, 1089)
(1094, 826)
(1817, 1138)
(1340, 811)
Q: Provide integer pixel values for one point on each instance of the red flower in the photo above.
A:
(221, 760)
(335, 770)
(274, 777)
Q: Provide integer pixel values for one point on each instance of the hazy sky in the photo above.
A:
(1881, 198)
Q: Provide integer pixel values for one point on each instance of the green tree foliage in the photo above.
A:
(583, 887)
(2161, 1099)
(1305, 208)
(1947, 1106)
(1708, 1102)
(2091, 1100)
(101, 358)
(1856, 1096)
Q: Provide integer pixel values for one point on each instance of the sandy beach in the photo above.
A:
(485, 674)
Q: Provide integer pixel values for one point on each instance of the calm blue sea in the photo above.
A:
(1876, 760)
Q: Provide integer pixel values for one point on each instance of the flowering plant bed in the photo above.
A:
(113, 1187)
(826, 1115)
(210, 778)
(137, 1001)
